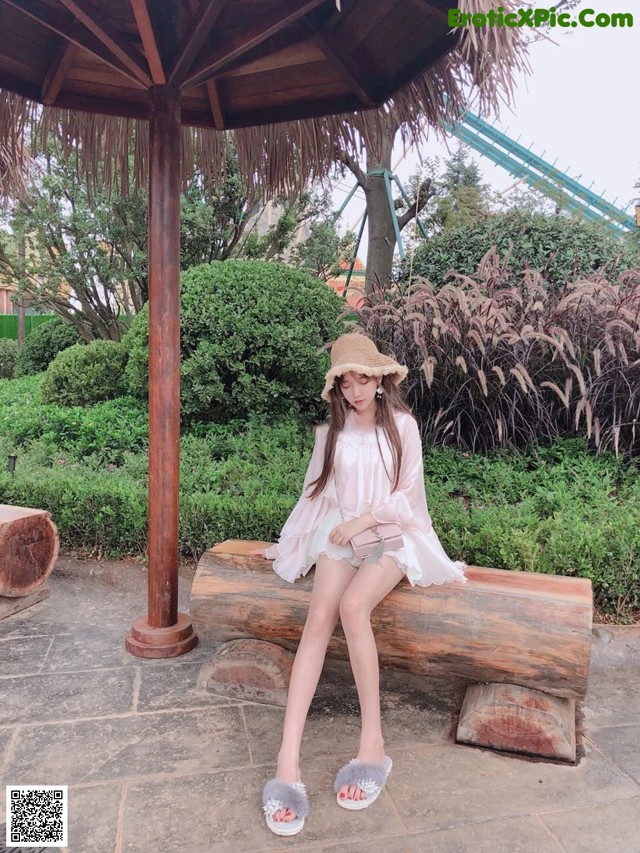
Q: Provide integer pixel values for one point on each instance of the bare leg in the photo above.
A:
(331, 579)
(370, 586)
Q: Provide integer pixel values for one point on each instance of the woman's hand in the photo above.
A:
(341, 534)
(259, 552)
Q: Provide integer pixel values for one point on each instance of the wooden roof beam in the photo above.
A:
(282, 41)
(269, 25)
(202, 24)
(65, 25)
(212, 87)
(57, 72)
(214, 103)
(341, 59)
(149, 43)
(111, 39)
(292, 112)
(105, 106)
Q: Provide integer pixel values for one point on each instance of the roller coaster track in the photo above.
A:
(541, 175)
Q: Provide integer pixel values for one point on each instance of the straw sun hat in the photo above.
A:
(360, 354)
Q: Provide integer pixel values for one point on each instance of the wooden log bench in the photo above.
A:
(522, 639)
(28, 552)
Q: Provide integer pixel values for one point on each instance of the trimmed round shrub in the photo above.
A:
(8, 356)
(43, 344)
(84, 374)
(250, 334)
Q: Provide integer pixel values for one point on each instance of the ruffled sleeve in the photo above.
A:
(289, 553)
(407, 505)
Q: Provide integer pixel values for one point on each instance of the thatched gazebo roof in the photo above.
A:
(285, 76)
(257, 68)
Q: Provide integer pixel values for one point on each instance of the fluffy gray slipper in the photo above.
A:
(279, 795)
(370, 778)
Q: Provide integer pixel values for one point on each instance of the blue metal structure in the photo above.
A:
(541, 175)
(520, 162)
(388, 177)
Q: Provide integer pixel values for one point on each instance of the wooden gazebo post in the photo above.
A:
(163, 632)
(238, 65)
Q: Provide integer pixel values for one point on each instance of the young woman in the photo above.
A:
(366, 469)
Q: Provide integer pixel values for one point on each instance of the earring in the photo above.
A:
(379, 391)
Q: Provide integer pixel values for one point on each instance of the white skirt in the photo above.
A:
(422, 557)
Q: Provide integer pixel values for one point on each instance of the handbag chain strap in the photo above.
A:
(379, 549)
(374, 529)
(335, 480)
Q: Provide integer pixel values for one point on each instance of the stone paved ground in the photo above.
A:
(155, 764)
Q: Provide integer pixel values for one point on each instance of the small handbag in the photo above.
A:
(373, 542)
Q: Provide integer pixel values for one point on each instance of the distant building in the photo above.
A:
(355, 291)
(6, 305)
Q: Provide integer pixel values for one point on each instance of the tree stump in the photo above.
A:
(9, 606)
(518, 719)
(28, 549)
(249, 669)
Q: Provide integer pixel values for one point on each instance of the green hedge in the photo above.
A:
(8, 356)
(43, 344)
(556, 509)
(560, 248)
(85, 373)
(103, 433)
(9, 324)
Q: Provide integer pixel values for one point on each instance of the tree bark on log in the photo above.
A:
(501, 626)
(28, 549)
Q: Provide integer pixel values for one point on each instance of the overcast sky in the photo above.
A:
(579, 105)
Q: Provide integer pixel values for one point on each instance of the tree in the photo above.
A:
(378, 142)
(440, 200)
(522, 197)
(325, 252)
(214, 216)
(220, 220)
(86, 250)
(461, 196)
(85, 254)
(462, 205)
(457, 195)
(292, 211)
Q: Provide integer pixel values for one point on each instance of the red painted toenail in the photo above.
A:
(342, 796)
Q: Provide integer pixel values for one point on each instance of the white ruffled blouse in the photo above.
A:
(364, 486)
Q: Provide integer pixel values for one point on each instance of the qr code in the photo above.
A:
(37, 814)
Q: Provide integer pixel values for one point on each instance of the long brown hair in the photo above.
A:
(391, 401)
